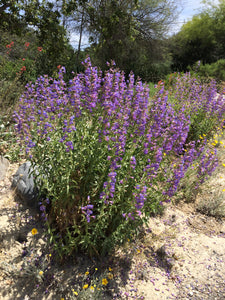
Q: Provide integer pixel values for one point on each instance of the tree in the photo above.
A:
(194, 42)
(202, 38)
(45, 20)
(125, 30)
(10, 17)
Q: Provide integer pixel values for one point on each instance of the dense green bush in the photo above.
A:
(215, 70)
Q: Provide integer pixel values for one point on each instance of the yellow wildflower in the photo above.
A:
(86, 273)
(92, 288)
(85, 286)
(34, 231)
(223, 165)
(104, 281)
(41, 273)
(223, 190)
(110, 269)
(75, 293)
(96, 269)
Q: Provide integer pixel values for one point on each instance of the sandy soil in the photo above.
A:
(180, 256)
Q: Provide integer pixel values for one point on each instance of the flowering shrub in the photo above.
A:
(107, 156)
(17, 67)
(201, 101)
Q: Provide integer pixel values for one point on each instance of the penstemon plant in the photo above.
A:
(107, 156)
(201, 101)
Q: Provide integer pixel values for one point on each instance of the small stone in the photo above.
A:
(222, 229)
(4, 165)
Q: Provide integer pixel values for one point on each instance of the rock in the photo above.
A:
(23, 182)
(4, 165)
(165, 261)
(161, 252)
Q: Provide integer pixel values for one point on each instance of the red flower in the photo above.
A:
(40, 49)
(23, 69)
(10, 45)
(27, 45)
(23, 59)
(59, 66)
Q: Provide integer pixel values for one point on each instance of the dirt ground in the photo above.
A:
(180, 256)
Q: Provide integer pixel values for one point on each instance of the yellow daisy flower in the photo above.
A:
(34, 231)
(104, 281)
(85, 286)
(75, 293)
(86, 273)
(41, 273)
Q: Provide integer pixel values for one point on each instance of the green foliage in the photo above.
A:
(18, 65)
(195, 41)
(10, 18)
(200, 39)
(129, 32)
(9, 146)
(214, 70)
(190, 88)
